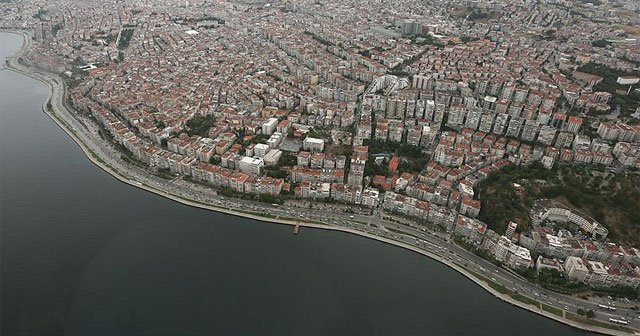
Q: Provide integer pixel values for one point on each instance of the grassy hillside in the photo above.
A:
(613, 200)
(627, 103)
(508, 195)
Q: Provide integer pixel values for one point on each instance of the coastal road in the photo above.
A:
(432, 241)
(398, 229)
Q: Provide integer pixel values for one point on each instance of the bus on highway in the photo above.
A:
(623, 322)
(606, 307)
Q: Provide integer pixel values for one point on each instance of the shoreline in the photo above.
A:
(61, 120)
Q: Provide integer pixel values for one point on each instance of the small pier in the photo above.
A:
(296, 229)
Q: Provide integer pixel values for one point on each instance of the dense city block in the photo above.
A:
(505, 124)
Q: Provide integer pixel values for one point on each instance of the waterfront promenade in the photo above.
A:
(85, 134)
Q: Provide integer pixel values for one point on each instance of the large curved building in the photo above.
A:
(563, 215)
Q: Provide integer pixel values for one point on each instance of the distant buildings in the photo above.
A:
(543, 264)
(313, 144)
(512, 255)
(511, 229)
(619, 132)
(410, 27)
(251, 165)
(470, 207)
(564, 215)
(470, 229)
(260, 150)
(601, 274)
(270, 126)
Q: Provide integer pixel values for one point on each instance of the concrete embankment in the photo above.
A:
(62, 119)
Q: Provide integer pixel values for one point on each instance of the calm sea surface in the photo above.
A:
(83, 254)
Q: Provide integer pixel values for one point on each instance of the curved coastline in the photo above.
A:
(61, 120)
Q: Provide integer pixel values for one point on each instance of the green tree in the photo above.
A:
(199, 125)
(276, 173)
(287, 159)
(549, 34)
(600, 43)
(56, 28)
(125, 38)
